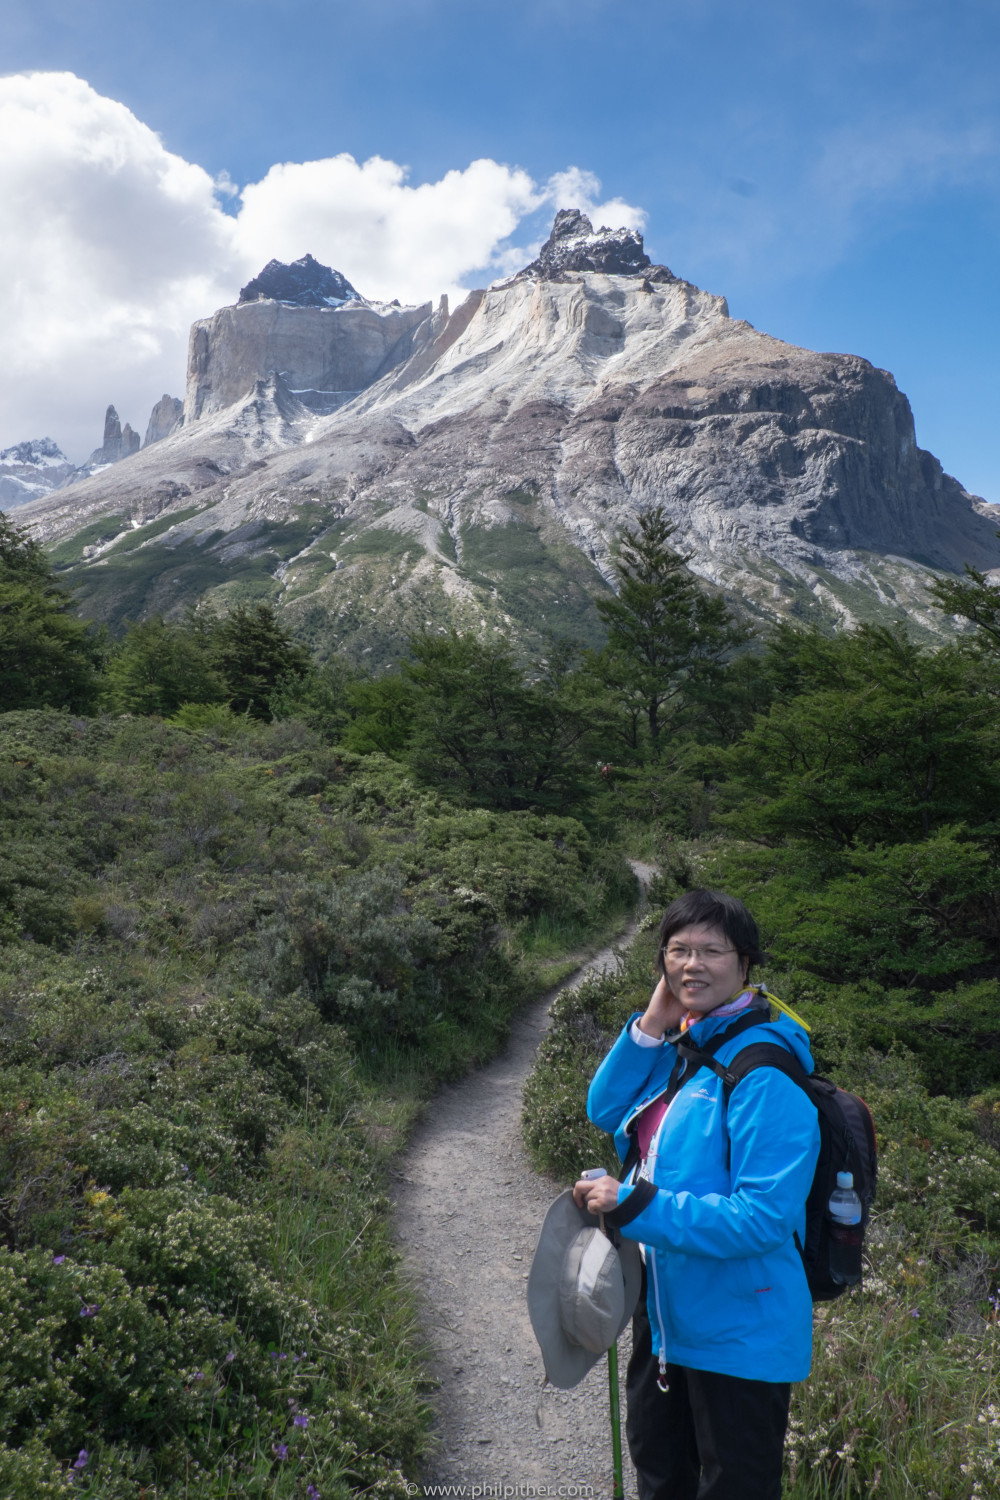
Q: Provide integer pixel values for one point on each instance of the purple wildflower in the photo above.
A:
(914, 1313)
(280, 1451)
(81, 1461)
(90, 1309)
(300, 1419)
(197, 1375)
(312, 1493)
(230, 1357)
(57, 1260)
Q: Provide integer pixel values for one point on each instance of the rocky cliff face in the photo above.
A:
(306, 323)
(165, 418)
(574, 246)
(482, 474)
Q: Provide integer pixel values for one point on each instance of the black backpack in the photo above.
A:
(846, 1131)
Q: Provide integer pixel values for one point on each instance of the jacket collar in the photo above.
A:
(702, 1031)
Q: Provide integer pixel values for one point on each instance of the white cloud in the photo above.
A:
(576, 188)
(111, 246)
(388, 238)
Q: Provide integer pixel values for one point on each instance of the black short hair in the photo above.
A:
(713, 909)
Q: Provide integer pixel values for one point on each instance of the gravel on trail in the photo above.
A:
(469, 1207)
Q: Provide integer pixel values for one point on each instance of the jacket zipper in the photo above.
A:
(661, 1379)
(651, 1155)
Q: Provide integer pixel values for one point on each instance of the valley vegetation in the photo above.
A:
(256, 907)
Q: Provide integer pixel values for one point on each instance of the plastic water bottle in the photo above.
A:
(845, 1232)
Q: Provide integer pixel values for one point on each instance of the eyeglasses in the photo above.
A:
(676, 953)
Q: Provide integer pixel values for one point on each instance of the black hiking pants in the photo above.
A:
(710, 1437)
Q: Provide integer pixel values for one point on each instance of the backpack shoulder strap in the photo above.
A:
(699, 1057)
(764, 1055)
(757, 1055)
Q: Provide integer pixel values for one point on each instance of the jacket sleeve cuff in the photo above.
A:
(632, 1205)
(642, 1038)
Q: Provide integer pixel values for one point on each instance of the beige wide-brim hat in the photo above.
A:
(582, 1290)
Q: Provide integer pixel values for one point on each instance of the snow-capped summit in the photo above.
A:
(31, 469)
(36, 453)
(304, 283)
(574, 245)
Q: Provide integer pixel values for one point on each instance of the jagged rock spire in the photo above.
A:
(303, 283)
(119, 442)
(574, 245)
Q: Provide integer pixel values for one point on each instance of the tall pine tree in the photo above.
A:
(665, 632)
(48, 658)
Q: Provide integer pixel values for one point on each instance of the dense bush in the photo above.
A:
(227, 947)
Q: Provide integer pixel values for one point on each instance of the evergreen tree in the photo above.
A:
(975, 598)
(255, 654)
(488, 728)
(159, 666)
(664, 631)
(48, 658)
(878, 741)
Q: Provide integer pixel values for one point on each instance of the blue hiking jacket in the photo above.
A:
(726, 1288)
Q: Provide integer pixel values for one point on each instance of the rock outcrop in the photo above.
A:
(304, 283)
(326, 348)
(165, 418)
(491, 455)
(573, 245)
(119, 442)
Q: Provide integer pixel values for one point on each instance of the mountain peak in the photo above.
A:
(39, 453)
(303, 283)
(574, 245)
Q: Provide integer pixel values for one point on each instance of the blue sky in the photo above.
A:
(833, 169)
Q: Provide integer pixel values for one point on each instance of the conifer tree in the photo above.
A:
(976, 598)
(255, 653)
(48, 658)
(664, 631)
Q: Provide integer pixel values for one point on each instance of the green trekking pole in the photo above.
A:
(618, 1492)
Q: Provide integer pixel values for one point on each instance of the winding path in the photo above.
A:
(469, 1206)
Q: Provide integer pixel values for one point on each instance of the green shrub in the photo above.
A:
(234, 962)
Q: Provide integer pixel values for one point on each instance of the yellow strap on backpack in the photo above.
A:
(766, 994)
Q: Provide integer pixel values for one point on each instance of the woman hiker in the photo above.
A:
(716, 1198)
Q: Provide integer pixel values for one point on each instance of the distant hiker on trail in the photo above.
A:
(715, 1192)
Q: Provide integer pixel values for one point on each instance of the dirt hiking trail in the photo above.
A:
(469, 1207)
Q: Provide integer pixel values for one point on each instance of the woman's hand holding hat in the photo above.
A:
(598, 1196)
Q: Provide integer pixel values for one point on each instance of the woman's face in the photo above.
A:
(703, 968)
